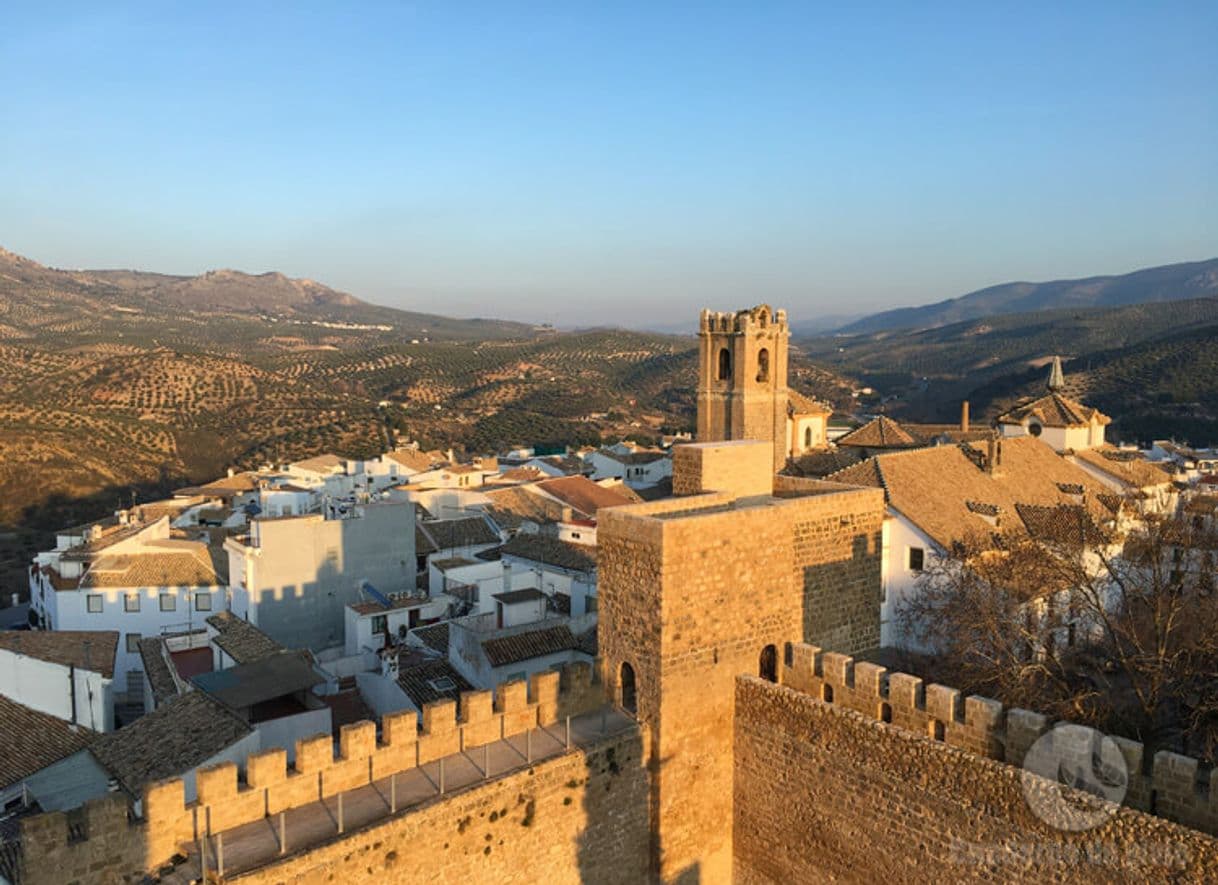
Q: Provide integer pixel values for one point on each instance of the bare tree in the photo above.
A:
(1114, 629)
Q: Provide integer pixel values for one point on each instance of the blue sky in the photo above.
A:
(615, 162)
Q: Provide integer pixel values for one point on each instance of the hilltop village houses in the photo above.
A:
(269, 606)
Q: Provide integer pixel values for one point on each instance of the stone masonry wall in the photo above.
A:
(578, 818)
(271, 785)
(899, 782)
(691, 593)
(740, 468)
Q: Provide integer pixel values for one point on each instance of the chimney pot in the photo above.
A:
(964, 417)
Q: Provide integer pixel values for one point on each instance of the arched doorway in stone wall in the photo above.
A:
(630, 697)
(767, 667)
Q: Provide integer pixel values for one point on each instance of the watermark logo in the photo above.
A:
(1074, 778)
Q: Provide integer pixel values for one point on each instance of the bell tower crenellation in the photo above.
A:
(742, 377)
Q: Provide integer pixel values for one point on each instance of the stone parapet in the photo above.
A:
(271, 785)
(1170, 785)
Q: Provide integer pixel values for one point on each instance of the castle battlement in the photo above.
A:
(59, 842)
(760, 317)
(1170, 785)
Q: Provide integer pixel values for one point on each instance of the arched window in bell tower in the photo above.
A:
(725, 364)
(763, 365)
(807, 437)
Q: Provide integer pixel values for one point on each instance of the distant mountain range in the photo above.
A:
(119, 383)
(231, 292)
(1170, 282)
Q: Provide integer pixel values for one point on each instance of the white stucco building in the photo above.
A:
(294, 576)
(1059, 422)
(130, 577)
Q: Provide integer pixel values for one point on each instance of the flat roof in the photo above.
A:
(526, 594)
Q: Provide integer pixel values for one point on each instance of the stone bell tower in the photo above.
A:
(742, 378)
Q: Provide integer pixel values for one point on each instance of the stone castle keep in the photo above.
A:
(726, 733)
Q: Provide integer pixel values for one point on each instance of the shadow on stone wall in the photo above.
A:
(615, 845)
(841, 598)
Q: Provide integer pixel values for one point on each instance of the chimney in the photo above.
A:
(568, 514)
(1057, 379)
(993, 461)
(123, 516)
(964, 417)
(231, 472)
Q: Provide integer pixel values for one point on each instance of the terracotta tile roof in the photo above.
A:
(1128, 467)
(31, 740)
(169, 563)
(320, 463)
(933, 434)
(823, 462)
(229, 485)
(522, 474)
(1054, 410)
(157, 669)
(518, 647)
(87, 649)
(568, 464)
(434, 636)
(466, 531)
(174, 738)
(241, 640)
(551, 551)
(582, 494)
(110, 535)
(511, 507)
(798, 404)
(932, 486)
(983, 509)
(423, 544)
(587, 643)
(879, 433)
(414, 459)
(632, 495)
(426, 679)
(1060, 523)
(862, 473)
(662, 489)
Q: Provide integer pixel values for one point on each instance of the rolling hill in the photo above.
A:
(1152, 367)
(114, 383)
(1171, 282)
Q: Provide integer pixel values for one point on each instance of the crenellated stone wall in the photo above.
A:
(271, 785)
(848, 772)
(578, 818)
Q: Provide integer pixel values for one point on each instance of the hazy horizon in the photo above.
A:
(621, 166)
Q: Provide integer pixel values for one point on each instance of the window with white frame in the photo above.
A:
(131, 602)
(133, 642)
(93, 603)
(202, 602)
(169, 602)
